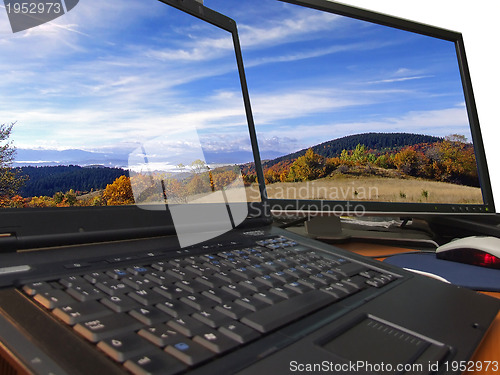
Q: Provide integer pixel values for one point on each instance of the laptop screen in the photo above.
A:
(117, 95)
(375, 111)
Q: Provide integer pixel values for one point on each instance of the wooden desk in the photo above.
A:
(489, 350)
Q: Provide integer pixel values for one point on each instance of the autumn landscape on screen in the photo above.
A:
(398, 167)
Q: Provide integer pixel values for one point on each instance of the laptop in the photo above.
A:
(204, 284)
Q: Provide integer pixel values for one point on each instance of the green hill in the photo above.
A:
(378, 142)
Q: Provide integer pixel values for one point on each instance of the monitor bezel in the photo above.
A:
(28, 228)
(344, 207)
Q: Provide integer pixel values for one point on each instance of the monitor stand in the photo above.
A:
(333, 228)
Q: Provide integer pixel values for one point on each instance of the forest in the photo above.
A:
(50, 180)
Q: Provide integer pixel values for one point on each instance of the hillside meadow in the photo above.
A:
(410, 190)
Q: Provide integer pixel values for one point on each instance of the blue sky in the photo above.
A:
(113, 75)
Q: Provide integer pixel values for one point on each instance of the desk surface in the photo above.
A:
(489, 350)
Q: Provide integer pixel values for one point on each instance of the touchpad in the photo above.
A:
(384, 347)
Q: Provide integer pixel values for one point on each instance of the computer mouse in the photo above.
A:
(481, 251)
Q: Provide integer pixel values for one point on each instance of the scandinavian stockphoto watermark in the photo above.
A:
(25, 14)
(204, 199)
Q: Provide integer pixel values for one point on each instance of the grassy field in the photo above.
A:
(377, 189)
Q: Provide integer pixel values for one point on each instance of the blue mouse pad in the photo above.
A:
(472, 277)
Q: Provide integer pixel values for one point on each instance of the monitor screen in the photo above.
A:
(360, 112)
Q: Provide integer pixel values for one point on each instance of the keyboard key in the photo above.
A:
(215, 341)
(244, 272)
(253, 286)
(211, 317)
(258, 269)
(117, 273)
(332, 275)
(51, 299)
(138, 270)
(344, 287)
(178, 263)
(189, 352)
(187, 325)
(121, 348)
(199, 270)
(137, 282)
(272, 266)
(320, 278)
(282, 276)
(269, 298)
(86, 292)
(198, 301)
(251, 303)
(81, 311)
(160, 278)
(284, 262)
(113, 287)
(161, 266)
(120, 303)
(72, 280)
(274, 316)
(211, 281)
(297, 287)
(37, 287)
(191, 286)
(268, 281)
(369, 274)
(95, 277)
(218, 295)
(170, 291)
(292, 271)
(236, 290)
(146, 297)
(227, 277)
(336, 293)
(160, 334)
(232, 310)
(356, 281)
(283, 292)
(181, 274)
(175, 308)
(154, 363)
(149, 315)
(350, 269)
(239, 332)
(112, 325)
(311, 283)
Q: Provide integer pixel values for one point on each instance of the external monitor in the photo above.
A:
(358, 112)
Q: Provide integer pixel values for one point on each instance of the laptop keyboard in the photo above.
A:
(169, 315)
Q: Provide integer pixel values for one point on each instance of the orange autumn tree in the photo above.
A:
(119, 192)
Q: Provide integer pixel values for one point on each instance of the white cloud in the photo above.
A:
(399, 79)
(297, 26)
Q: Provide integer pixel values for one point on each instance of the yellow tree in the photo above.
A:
(307, 167)
(119, 192)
